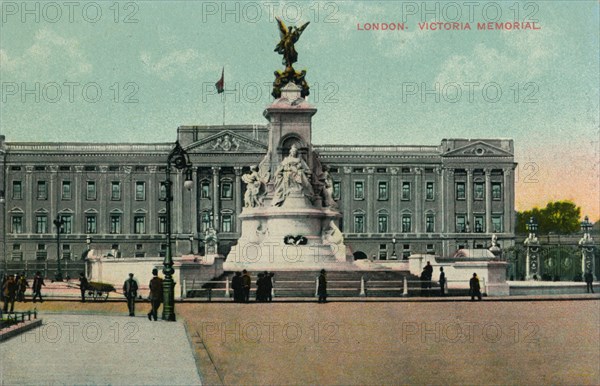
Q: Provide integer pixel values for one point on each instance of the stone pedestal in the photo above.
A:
(533, 267)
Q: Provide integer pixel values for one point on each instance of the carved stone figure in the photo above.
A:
(256, 182)
(292, 175)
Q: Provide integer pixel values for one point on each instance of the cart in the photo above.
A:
(99, 291)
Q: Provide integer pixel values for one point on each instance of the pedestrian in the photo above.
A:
(474, 288)
(442, 282)
(269, 285)
(423, 280)
(246, 284)
(236, 284)
(589, 281)
(10, 292)
(429, 275)
(130, 288)
(260, 288)
(22, 286)
(83, 285)
(156, 294)
(322, 287)
(4, 278)
(38, 282)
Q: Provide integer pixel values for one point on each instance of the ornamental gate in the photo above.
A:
(561, 262)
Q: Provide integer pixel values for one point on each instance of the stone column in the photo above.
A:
(470, 199)
(488, 200)
(216, 196)
(238, 197)
(127, 196)
(152, 225)
(52, 195)
(194, 199)
(418, 200)
(27, 192)
(347, 197)
(371, 197)
(507, 193)
(532, 263)
(101, 222)
(78, 222)
(394, 226)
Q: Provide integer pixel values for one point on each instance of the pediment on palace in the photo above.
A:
(226, 141)
(478, 149)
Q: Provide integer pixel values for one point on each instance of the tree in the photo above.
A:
(560, 217)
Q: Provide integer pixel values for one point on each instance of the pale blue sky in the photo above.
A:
(171, 57)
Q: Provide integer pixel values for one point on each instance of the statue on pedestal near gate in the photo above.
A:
(256, 182)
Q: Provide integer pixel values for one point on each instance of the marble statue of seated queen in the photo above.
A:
(292, 176)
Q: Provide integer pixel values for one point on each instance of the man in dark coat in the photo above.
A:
(429, 275)
(442, 282)
(156, 294)
(83, 285)
(269, 286)
(236, 284)
(130, 288)
(589, 281)
(10, 292)
(246, 283)
(22, 285)
(474, 288)
(38, 282)
(260, 288)
(322, 287)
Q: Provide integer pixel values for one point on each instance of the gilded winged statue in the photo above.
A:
(289, 37)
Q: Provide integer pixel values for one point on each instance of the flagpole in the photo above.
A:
(223, 108)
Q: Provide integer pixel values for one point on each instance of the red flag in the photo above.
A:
(220, 85)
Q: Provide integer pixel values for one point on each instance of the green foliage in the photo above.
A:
(560, 217)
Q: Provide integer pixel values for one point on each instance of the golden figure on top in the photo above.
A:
(286, 48)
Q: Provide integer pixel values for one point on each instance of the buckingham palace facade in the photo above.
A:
(395, 200)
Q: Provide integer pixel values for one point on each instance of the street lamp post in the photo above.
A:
(180, 160)
(58, 223)
(394, 257)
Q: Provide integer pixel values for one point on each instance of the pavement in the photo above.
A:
(99, 350)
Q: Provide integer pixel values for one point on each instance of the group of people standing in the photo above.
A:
(241, 284)
(130, 291)
(14, 287)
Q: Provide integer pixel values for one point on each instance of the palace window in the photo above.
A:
(205, 189)
(205, 221)
(359, 190)
(115, 223)
(90, 223)
(405, 251)
(42, 190)
(382, 193)
(41, 224)
(140, 191)
(461, 224)
(162, 191)
(429, 191)
(497, 224)
(496, 191)
(115, 190)
(406, 190)
(478, 191)
(382, 221)
(336, 190)
(460, 191)
(430, 223)
(226, 190)
(66, 190)
(139, 225)
(383, 254)
(67, 227)
(17, 190)
(17, 224)
(359, 223)
(479, 224)
(406, 223)
(226, 223)
(91, 190)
